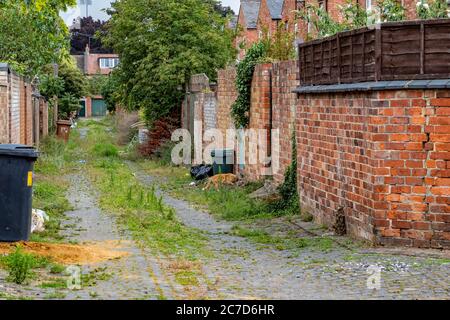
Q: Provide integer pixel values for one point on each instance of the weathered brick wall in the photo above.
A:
(412, 140)
(333, 163)
(29, 114)
(43, 115)
(4, 114)
(284, 81)
(23, 107)
(382, 158)
(21, 116)
(260, 118)
(14, 121)
(226, 95)
(209, 111)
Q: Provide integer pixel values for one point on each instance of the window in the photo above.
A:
(109, 63)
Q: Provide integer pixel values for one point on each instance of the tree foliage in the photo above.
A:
(109, 91)
(32, 34)
(68, 86)
(161, 44)
(90, 32)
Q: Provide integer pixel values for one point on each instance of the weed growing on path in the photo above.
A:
(20, 264)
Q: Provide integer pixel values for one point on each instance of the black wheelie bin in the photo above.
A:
(16, 184)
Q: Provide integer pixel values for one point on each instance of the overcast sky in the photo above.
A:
(95, 9)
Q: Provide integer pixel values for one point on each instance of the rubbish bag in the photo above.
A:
(38, 219)
(202, 172)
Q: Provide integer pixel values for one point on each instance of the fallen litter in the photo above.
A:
(201, 172)
(82, 254)
(38, 220)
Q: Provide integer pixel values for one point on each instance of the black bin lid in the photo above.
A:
(18, 150)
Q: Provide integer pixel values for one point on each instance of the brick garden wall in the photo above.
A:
(260, 118)
(226, 95)
(4, 114)
(18, 109)
(382, 158)
(284, 81)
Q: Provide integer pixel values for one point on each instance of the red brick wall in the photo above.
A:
(259, 119)
(226, 95)
(410, 6)
(23, 106)
(383, 157)
(4, 114)
(289, 17)
(245, 38)
(284, 81)
(265, 22)
(28, 115)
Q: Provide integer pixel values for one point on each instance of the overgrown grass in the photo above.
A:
(49, 190)
(229, 202)
(137, 206)
(20, 265)
(283, 243)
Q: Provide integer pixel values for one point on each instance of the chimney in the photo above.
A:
(86, 59)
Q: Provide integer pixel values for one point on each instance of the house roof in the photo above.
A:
(250, 8)
(275, 8)
(233, 22)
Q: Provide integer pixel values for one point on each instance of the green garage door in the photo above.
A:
(98, 108)
(82, 111)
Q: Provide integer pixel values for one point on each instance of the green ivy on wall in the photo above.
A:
(241, 107)
(288, 189)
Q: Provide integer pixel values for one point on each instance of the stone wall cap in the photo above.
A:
(376, 86)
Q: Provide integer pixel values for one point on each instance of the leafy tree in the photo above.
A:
(161, 44)
(67, 105)
(89, 33)
(280, 45)
(70, 80)
(109, 92)
(32, 34)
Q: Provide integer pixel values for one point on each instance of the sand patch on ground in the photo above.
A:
(82, 254)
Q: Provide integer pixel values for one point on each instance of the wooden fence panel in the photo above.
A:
(390, 51)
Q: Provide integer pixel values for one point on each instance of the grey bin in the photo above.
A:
(223, 161)
(16, 183)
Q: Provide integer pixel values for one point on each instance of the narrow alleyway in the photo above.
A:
(235, 268)
(245, 270)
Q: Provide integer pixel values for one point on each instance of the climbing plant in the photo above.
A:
(288, 189)
(241, 107)
(433, 9)
(391, 10)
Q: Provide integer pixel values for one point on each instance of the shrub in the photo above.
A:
(391, 10)
(19, 265)
(432, 9)
(106, 150)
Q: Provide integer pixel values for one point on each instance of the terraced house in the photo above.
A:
(95, 64)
